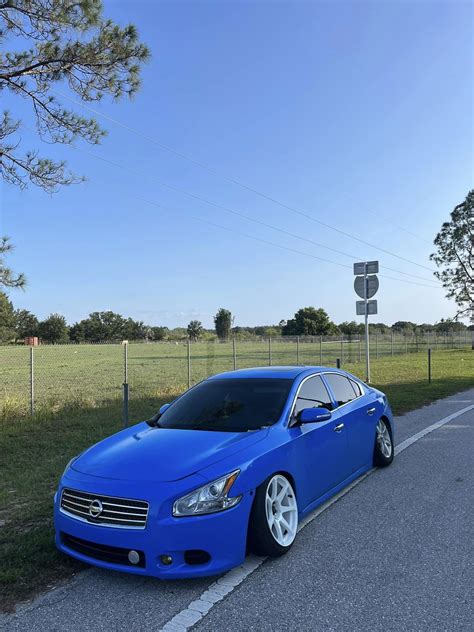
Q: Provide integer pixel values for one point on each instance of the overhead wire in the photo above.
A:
(245, 216)
(271, 243)
(239, 183)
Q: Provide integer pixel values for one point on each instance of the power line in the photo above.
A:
(253, 237)
(247, 217)
(384, 218)
(271, 243)
(233, 180)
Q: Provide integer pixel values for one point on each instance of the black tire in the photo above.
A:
(260, 538)
(382, 456)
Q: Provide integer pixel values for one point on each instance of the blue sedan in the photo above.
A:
(230, 466)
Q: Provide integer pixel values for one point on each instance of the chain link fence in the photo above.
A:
(45, 379)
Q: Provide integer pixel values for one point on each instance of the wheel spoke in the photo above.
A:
(268, 507)
(285, 524)
(282, 493)
(278, 531)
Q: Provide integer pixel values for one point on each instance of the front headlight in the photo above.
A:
(208, 499)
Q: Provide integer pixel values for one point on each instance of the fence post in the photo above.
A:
(297, 350)
(189, 362)
(269, 351)
(360, 349)
(234, 356)
(338, 363)
(391, 343)
(125, 383)
(406, 345)
(429, 365)
(32, 381)
(376, 345)
(320, 351)
(342, 347)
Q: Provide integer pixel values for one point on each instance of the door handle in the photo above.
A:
(371, 411)
(338, 428)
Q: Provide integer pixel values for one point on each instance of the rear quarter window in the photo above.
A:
(357, 388)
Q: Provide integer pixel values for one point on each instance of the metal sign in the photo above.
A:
(366, 285)
(366, 267)
(371, 308)
(372, 283)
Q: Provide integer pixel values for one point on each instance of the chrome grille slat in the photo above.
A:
(129, 513)
(72, 510)
(73, 502)
(68, 495)
(103, 520)
(126, 506)
(132, 515)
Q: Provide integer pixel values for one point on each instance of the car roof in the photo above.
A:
(285, 372)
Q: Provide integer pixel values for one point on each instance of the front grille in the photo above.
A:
(103, 552)
(105, 510)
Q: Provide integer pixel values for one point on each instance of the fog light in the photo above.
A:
(133, 557)
(166, 559)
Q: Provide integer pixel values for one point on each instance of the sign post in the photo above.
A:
(366, 285)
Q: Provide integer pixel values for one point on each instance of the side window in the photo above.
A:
(341, 387)
(313, 394)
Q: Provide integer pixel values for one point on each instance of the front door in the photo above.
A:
(321, 447)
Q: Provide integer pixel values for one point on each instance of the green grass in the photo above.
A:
(68, 376)
(33, 452)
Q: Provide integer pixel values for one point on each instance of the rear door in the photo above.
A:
(354, 409)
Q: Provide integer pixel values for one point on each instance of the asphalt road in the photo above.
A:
(394, 553)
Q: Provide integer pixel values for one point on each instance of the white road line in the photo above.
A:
(408, 442)
(199, 608)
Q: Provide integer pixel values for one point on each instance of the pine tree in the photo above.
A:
(55, 43)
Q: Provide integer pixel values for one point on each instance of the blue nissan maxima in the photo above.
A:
(231, 465)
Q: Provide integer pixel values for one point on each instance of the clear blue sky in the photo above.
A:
(359, 113)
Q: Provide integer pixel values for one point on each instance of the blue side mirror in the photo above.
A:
(313, 415)
(164, 408)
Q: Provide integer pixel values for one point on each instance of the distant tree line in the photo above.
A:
(17, 324)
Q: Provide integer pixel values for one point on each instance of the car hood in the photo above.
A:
(142, 453)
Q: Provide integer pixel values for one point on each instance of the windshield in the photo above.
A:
(231, 405)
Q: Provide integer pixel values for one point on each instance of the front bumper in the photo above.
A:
(223, 535)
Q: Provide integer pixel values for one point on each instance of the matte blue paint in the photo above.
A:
(160, 465)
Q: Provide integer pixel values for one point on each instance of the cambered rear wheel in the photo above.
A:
(383, 450)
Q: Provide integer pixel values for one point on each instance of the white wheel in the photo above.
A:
(383, 450)
(384, 441)
(281, 510)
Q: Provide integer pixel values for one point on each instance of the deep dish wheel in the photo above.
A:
(274, 518)
(383, 449)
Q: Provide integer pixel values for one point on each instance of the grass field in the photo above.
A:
(33, 452)
(89, 375)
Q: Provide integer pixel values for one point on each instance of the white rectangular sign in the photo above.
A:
(371, 308)
(366, 267)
